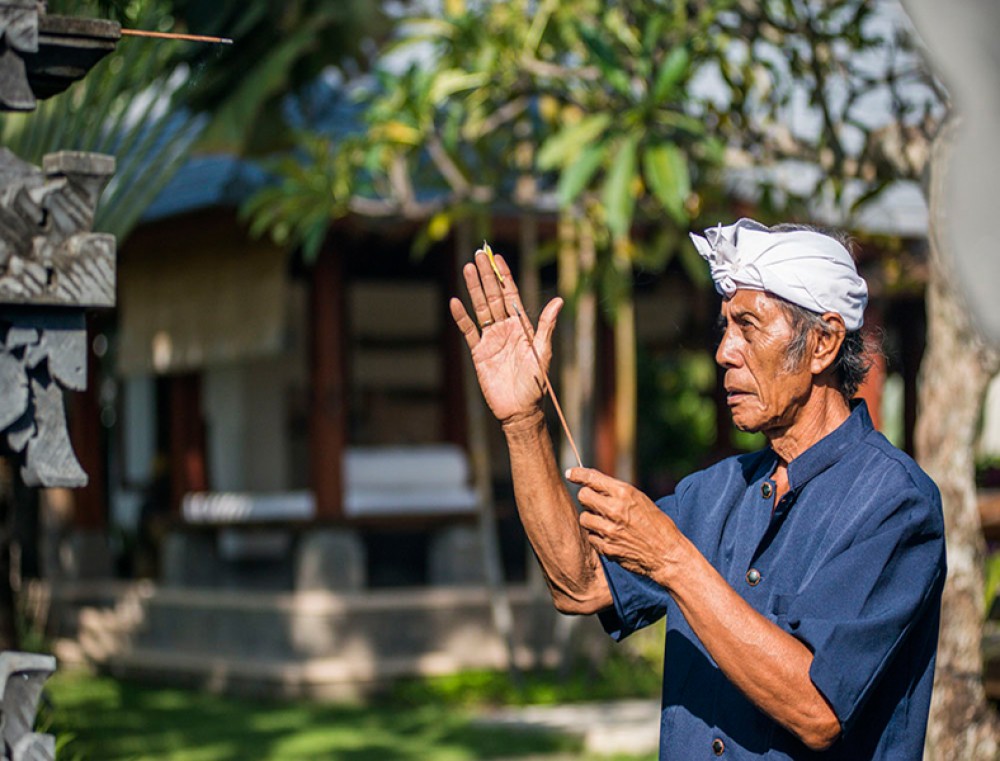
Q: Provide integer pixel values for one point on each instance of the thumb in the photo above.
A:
(547, 323)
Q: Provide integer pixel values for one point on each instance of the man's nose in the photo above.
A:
(725, 355)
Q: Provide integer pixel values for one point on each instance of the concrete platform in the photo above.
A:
(629, 727)
(296, 644)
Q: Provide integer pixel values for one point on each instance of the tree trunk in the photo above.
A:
(956, 370)
(626, 372)
(577, 257)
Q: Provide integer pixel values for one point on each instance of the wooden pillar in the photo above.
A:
(188, 460)
(605, 447)
(874, 384)
(912, 326)
(328, 385)
(454, 421)
(90, 503)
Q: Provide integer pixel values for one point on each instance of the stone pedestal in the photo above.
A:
(247, 559)
(456, 557)
(78, 554)
(331, 560)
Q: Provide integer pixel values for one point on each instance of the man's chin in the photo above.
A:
(746, 426)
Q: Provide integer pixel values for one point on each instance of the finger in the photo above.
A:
(511, 295)
(474, 284)
(595, 479)
(600, 542)
(595, 524)
(464, 322)
(491, 287)
(546, 326)
(594, 501)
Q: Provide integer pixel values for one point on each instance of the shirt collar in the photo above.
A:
(832, 447)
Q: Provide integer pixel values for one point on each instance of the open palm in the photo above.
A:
(509, 374)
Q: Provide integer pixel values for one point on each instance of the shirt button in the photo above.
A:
(718, 747)
(766, 490)
(753, 577)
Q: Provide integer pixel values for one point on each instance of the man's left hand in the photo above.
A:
(624, 525)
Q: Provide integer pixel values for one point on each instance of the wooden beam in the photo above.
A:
(86, 434)
(188, 461)
(328, 385)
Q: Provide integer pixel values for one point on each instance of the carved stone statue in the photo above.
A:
(51, 265)
(22, 676)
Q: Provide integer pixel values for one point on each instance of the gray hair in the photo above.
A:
(853, 360)
(843, 238)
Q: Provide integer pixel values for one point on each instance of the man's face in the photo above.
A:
(763, 392)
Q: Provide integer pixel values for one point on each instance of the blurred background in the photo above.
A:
(299, 539)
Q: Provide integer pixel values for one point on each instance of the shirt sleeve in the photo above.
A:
(860, 606)
(638, 601)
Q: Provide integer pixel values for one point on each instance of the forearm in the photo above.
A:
(550, 519)
(766, 663)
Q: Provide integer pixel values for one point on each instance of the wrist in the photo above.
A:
(679, 564)
(523, 421)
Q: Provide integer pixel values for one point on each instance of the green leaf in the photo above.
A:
(672, 70)
(597, 45)
(607, 60)
(451, 81)
(619, 202)
(666, 172)
(566, 144)
(578, 174)
(618, 24)
(652, 33)
(677, 120)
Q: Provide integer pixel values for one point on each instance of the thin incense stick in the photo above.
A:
(176, 36)
(548, 386)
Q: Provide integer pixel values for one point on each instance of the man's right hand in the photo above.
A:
(508, 372)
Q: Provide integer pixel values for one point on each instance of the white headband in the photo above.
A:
(806, 268)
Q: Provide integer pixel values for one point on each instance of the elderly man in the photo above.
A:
(801, 584)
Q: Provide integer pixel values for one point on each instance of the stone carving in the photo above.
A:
(52, 266)
(47, 253)
(19, 27)
(41, 55)
(42, 352)
(22, 676)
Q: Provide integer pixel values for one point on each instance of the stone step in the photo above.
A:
(305, 643)
(330, 678)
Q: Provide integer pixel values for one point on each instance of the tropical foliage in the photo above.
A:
(621, 117)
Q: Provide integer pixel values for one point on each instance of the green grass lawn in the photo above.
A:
(97, 718)
(101, 719)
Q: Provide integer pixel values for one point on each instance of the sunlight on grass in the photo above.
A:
(100, 718)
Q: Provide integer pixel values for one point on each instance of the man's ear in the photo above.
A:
(827, 343)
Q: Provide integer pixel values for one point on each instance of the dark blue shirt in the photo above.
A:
(851, 562)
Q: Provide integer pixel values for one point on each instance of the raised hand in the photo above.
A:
(508, 372)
